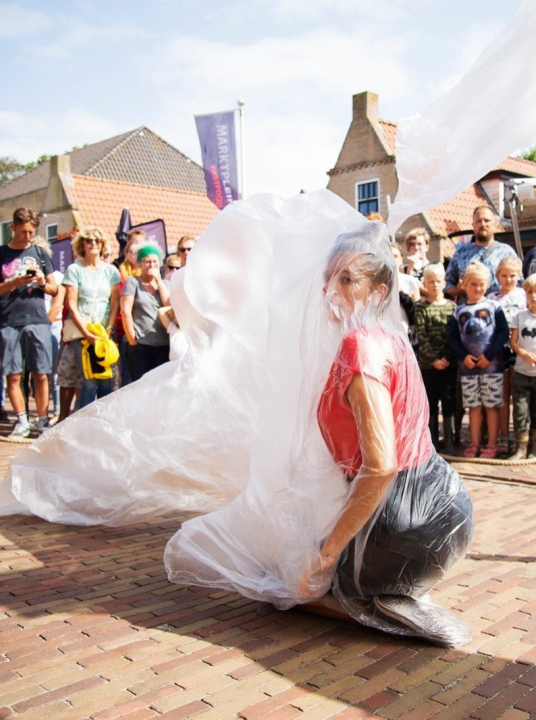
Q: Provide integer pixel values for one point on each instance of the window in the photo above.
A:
(6, 233)
(368, 197)
(52, 233)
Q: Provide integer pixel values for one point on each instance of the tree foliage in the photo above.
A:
(10, 169)
(529, 154)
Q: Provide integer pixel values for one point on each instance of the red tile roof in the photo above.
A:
(518, 165)
(455, 215)
(389, 132)
(100, 203)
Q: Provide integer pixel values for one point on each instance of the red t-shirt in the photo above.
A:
(388, 359)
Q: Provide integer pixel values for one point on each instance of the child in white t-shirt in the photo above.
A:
(523, 342)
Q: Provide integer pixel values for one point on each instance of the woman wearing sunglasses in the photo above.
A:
(92, 297)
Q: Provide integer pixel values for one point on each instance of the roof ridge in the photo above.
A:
(143, 185)
(126, 139)
(189, 159)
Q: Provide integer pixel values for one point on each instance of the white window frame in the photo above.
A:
(51, 225)
(366, 182)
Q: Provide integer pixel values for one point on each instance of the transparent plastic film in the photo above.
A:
(347, 499)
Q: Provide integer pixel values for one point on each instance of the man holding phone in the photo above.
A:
(26, 274)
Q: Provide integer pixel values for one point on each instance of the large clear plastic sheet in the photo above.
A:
(297, 421)
(181, 437)
(346, 492)
(489, 114)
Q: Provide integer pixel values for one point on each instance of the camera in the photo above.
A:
(32, 273)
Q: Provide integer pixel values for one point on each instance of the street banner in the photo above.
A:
(62, 254)
(218, 150)
(155, 232)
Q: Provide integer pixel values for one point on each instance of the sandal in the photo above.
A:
(503, 446)
(471, 451)
(489, 451)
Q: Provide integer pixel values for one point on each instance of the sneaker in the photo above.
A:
(428, 620)
(41, 425)
(20, 432)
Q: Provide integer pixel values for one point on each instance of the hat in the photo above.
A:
(148, 250)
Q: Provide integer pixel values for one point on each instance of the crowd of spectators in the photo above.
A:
(471, 330)
(472, 327)
(68, 339)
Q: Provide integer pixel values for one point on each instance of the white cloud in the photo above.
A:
(16, 22)
(297, 91)
(25, 137)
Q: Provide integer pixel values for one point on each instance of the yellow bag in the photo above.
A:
(98, 358)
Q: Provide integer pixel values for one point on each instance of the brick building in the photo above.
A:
(365, 176)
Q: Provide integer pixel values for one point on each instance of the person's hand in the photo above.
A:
(316, 581)
(154, 273)
(90, 337)
(470, 362)
(132, 341)
(483, 362)
(22, 280)
(441, 364)
(414, 262)
(40, 279)
(529, 357)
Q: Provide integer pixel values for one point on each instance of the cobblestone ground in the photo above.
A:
(91, 628)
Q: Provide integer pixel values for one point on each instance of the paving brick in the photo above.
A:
(501, 702)
(500, 680)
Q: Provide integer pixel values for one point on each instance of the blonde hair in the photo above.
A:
(415, 233)
(530, 282)
(184, 238)
(476, 269)
(90, 233)
(174, 258)
(42, 243)
(514, 263)
(435, 269)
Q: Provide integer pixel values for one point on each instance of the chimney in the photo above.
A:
(365, 107)
(60, 164)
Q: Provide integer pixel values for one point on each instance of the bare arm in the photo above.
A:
(516, 347)
(56, 307)
(114, 308)
(127, 303)
(373, 412)
(372, 408)
(163, 314)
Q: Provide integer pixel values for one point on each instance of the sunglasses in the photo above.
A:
(173, 267)
(183, 250)
(93, 241)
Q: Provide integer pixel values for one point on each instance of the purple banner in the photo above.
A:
(155, 232)
(62, 254)
(218, 149)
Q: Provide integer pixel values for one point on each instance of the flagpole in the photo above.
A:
(240, 102)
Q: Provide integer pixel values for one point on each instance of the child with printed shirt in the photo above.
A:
(523, 342)
(478, 333)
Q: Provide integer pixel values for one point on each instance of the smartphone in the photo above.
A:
(32, 273)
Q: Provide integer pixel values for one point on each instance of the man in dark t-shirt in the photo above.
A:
(26, 274)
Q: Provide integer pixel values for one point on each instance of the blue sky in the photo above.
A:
(78, 71)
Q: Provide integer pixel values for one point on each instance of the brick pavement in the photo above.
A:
(90, 628)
